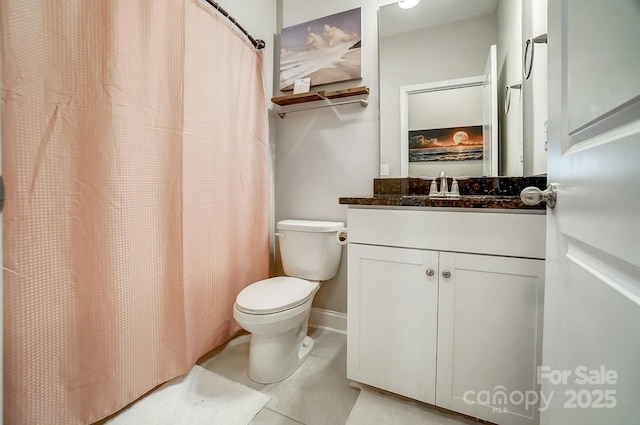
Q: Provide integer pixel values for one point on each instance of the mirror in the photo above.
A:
(436, 43)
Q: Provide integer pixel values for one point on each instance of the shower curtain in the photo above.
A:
(135, 158)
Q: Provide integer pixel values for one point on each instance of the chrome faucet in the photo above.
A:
(444, 189)
(443, 184)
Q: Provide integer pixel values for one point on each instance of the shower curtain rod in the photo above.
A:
(258, 44)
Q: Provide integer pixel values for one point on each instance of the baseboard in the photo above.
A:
(329, 320)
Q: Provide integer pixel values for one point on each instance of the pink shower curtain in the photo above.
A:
(135, 157)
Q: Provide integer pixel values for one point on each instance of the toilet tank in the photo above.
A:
(309, 249)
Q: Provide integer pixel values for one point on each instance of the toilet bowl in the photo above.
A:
(279, 341)
(276, 310)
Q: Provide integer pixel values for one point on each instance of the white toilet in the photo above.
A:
(276, 310)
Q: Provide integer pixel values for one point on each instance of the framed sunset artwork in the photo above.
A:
(446, 144)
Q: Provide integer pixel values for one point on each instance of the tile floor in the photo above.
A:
(317, 393)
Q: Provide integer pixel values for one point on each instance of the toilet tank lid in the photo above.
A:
(310, 226)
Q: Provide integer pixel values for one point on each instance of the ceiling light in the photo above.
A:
(407, 4)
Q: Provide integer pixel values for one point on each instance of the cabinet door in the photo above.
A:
(392, 319)
(489, 336)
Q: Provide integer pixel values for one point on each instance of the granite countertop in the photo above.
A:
(476, 192)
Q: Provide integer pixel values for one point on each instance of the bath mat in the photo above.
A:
(373, 407)
(199, 398)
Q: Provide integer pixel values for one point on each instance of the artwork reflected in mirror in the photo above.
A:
(445, 132)
(446, 144)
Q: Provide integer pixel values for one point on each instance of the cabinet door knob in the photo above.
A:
(446, 274)
(430, 272)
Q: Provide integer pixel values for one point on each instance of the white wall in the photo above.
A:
(324, 154)
(456, 107)
(446, 52)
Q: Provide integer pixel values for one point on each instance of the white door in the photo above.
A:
(591, 342)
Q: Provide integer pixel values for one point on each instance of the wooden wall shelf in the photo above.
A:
(356, 91)
(294, 99)
(326, 96)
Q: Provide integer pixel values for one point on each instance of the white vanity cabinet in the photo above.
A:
(446, 307)
(392, 319)
(489, 336)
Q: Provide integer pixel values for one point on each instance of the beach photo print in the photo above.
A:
(327, 50)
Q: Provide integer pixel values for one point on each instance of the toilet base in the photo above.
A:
(272, 359)
(279, 341)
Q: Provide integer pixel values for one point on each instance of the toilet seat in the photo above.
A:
(274, 295)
